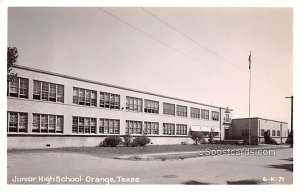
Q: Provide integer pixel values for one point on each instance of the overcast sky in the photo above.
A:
(198, 54)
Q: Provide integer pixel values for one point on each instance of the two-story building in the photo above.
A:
(50, 109)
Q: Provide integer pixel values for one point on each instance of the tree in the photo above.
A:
(12, 59)
(197, 136)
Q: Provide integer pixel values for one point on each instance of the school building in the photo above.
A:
(258, 126)
(47, 109)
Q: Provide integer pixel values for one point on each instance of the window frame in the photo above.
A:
(19, 126)
(82, 97)
(109, 100)
(169, 109)
(20, 91)
(47, 91)
(79, 125)
(134, 104)
(205, 114)
(181, 111)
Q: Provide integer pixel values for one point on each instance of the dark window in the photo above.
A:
(215, 116)
(204, 114)
(48, 91)
(169, 129)
(151, 128)
(17, 122)
(151, 106)
(109, 100)
(133, 127)
(109, 126)
(84, 97)
(195, 113)
(181, 111)
(181, 129)
(169, 109)
(134, 104)
(84, 125)
(18, 87)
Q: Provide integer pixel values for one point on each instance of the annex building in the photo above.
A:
(277, 130)
(47, 109)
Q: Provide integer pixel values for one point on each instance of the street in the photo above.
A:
(72, 168)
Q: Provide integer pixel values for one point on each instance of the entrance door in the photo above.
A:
(227, 133)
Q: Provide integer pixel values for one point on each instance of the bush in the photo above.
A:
(111, 141)
(128, 140)
(211, 137)
(269, 140)
(197, 136)
(290, 138)
(141, 141)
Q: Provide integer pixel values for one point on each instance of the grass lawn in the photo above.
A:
(116, 151)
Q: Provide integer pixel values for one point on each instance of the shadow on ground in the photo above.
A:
(288, 167)
(193, 182)
(289, 159)
(239, 182)
(244, 182)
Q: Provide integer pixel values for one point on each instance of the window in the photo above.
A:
(84, 125)
(181, 129)
(44, 123)
(169, 129)
(151, 128)
(262, 132)
(195, 113)
(48, 91)
(84, 97)
(181, 111)
(278, 133)
(134, 104)
(215, 116)
(109, 100)
(151, 106)
(204, 114)
(169, 109)
(18, 87)
(109, 126)
(17, 122)
(133, 127)
(273, 133)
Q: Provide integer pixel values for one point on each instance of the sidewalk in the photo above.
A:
(190, 154)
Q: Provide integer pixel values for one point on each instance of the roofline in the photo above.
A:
(110, 85)
(259, 118)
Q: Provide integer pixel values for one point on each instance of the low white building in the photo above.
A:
(277, 130)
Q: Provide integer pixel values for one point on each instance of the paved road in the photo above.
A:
(81, 168)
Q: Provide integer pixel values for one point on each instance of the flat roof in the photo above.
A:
(261, 119)
(109, 85)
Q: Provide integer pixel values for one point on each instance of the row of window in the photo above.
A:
(47, 123)
(245, 132)
(274, 133)
(54, 92)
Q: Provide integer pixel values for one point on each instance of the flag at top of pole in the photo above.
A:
(249, 61)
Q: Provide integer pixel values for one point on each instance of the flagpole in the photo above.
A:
(249, 129)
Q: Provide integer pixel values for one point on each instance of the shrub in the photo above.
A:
(141, 141)
(197, 136)
(111, 141)
(211, 137)
(290, 138)
(128, 140)
(269, 140)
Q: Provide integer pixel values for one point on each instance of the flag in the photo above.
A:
(249, 61)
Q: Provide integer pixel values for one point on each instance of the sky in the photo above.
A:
(197, 54)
